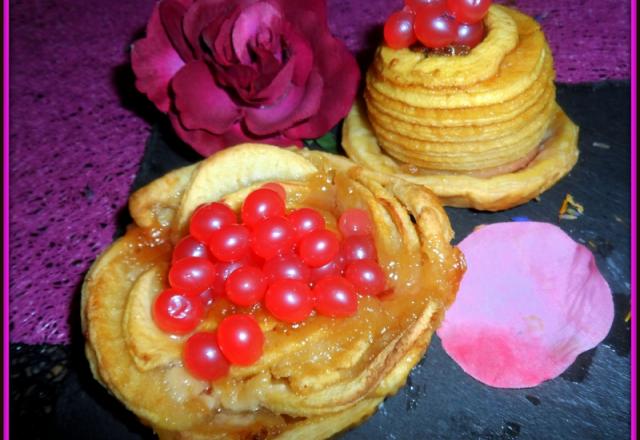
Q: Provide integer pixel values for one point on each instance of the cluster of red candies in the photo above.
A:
(437, 23)
(288, 262)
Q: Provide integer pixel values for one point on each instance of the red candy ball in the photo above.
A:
(230, 243)
(334, 267)
(245, 286)
(367, 276)
(437, 7)
(261, 204)
(208, 218)
(203, 358)
(318, 248)
(468, 11)
(277, 188)
(398, 30)
(286, 267)
(305, 220)
(434, 31)
(272, 236)
(240, 339)
(177, 313)
(222, 271)
(335, 296)
(191, 275)
(469, 34)
(359, 247)
(190, 246)
(355, 222)
(289, 300)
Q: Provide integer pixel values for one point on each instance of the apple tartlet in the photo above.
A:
(314, 377)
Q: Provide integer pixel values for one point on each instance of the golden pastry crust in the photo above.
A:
(557, 155)
(313, 379)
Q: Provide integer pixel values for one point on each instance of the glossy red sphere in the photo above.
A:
(335, 296)
(272, 236)
(437, 7)
(434, 31)
(367, 276)
(279, 189)
(305, 220)
(287, 266)
(469, 34)
(289, 300)
(245, 286)
(223, 269)
(203, 358)
(318, 248)
(261, 204)
(355, 222)
(176, 313)
(191, 275)
(468, 11)
(190, 246)
(230, 243)
(334, 267)
(359, 247)
(240, 339)
(208, 218)
(398, 30)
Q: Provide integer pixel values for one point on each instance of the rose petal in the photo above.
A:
(269, 94)
(310, 103)
(272, 119)
(310, 15)
(201, 104)
(333, 61)
(300, 53)
(155, 61)
(203, 13)
(207, 143)
(217, 38)
(250, 22)
(171, 14)
(531, 300)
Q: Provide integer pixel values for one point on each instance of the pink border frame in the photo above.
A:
(634, 249)
(5, 219)
(5, 215)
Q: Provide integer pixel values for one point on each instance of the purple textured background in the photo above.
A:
(78, 128)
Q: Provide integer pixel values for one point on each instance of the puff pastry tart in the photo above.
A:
(314, 378)
(482, 130)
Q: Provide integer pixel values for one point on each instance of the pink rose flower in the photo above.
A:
(230, 71)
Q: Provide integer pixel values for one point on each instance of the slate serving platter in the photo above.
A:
(591, 400)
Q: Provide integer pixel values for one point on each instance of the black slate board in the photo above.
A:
(591, 400)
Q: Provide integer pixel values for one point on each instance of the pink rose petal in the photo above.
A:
(171, 14)
(300, 53)
(264, 120)
(200, 15)
(531, 301)
(155, 61)
(257, 17)
(201, 104)
(268, 94)
(338, 92)
(311, 101)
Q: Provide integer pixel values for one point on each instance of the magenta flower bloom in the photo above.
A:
(231, 71)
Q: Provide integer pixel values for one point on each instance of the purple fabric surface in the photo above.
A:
(78, 128)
